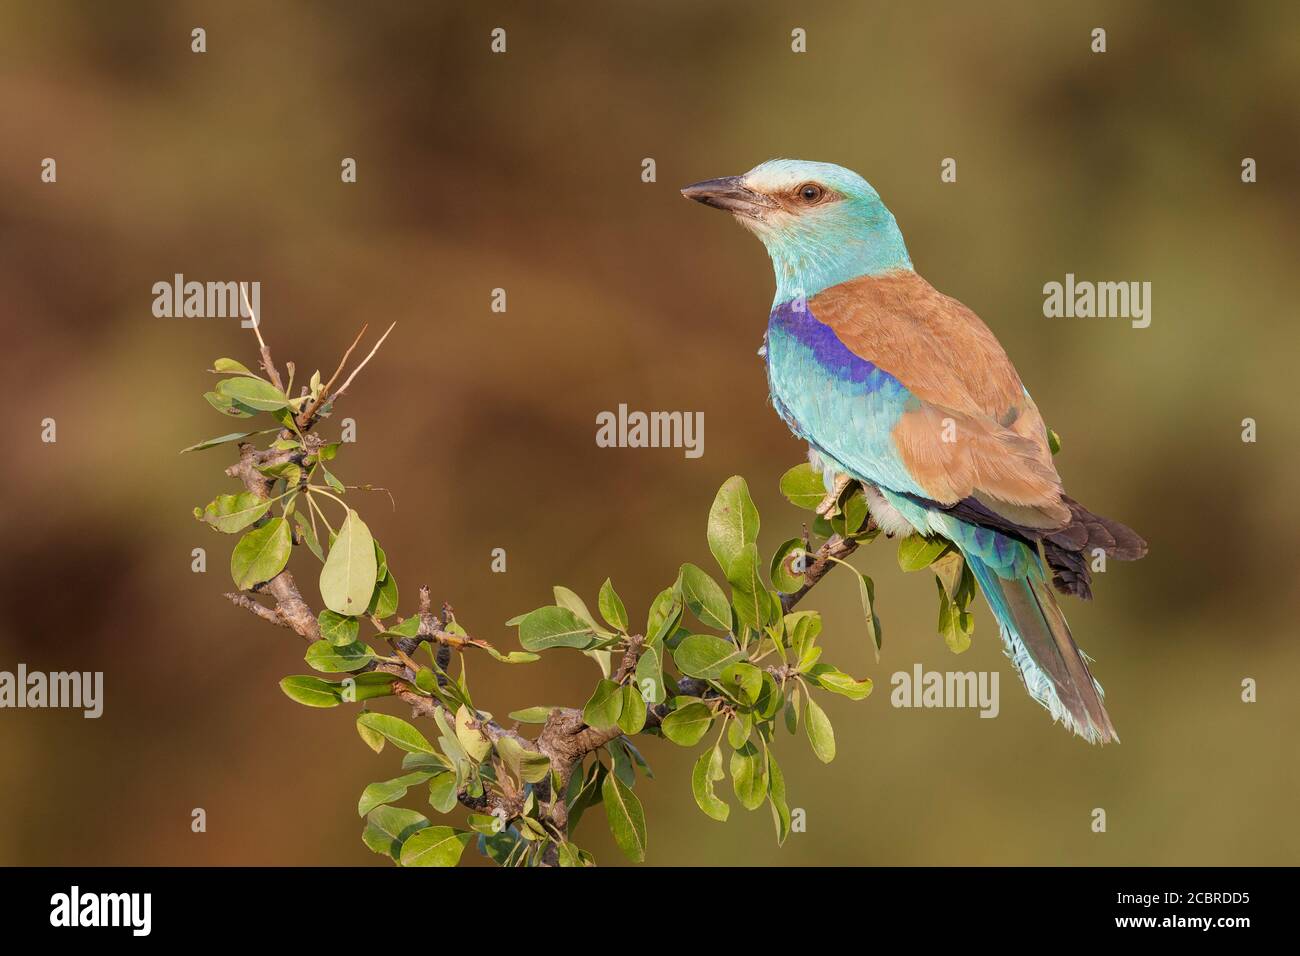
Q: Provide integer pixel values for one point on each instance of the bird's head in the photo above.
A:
(822, 224)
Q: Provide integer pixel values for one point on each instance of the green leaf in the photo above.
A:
(749, 776)
(687, 725)
(330, 480)
(443, 795)
(383, 600)
(792, 712)
(568, 855)
(708, 769)
(626, 818)
(949, 570)
(325, 657)
(261, 554)
(223, 439)
(231, 513)
(742, 681)
(631, 717)
(531, 715)
(387, 828)
(311, 691)
(401, 733)
(916, 551)
(733, 521)
(748, 595)
(253, 392)
(603, 708)
(838, 682)
(804, 486)
(410, 627)
(955, 624)
(337, 629)
(802, 628)
(308, 536)
(514, 657)
(665, 613)
(549, 627)
(564, 597)
(611, 607)
(820, 734)
(366, 686)
(705, 598)
(867, 595)
(1053, 441)
(704, 656)
(782, 574)
(739, 729)
(528, 765)
(433, 763)
(650, 675)
(435, 846)
(389, 791)
(853, 514)
(776, 799)
(228, 406)
(230, 365)
(468, 734)
(585, 792)
(770, 698)
(347, 580)
(371, 738)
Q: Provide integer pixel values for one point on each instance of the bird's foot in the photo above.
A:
(832, 499)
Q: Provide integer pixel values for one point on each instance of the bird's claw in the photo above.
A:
(832, 499)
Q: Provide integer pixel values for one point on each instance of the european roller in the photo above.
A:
(904, 389)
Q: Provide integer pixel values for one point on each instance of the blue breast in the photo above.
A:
(841, 404)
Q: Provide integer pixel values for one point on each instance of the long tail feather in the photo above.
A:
(1038, 642)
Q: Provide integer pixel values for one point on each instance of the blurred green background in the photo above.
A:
(522, 171)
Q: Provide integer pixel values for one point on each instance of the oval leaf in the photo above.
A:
(626, 819)
(604, 706)
(261, 554)
(705, 598)
(435, 846)
(708, 769)
(553, 627)
(328, 659)
(686, 725)
(311, 691)
(804, 486)
(231, 513)
(611, 607)
(820, 733)
(348, 578)
(337, 629)
(253, 392)
(704, 656)
(401, 733)
(733, 521)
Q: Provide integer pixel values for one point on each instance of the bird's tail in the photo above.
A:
(1038, 641)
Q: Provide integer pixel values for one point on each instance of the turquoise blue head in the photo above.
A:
(822, 224)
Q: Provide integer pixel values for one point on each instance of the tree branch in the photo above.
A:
(565, 738)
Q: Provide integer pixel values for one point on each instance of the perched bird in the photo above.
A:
(905, 390)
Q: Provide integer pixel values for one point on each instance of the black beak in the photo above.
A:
(731, 194)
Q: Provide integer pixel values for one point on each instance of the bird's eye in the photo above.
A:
(810, 192)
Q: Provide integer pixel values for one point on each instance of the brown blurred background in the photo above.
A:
(522, 171)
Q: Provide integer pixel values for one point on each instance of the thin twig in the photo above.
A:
(309, 412)
(344, 387)
(267, 364)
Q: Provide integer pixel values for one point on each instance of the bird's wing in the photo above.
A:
(959, 423)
